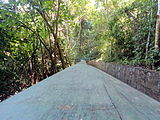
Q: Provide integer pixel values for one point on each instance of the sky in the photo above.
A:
(6, 1)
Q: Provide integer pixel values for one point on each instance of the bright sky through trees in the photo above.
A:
(5, 1)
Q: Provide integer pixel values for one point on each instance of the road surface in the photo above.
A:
(80, 92)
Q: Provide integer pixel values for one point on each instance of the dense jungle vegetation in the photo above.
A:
(39, 38)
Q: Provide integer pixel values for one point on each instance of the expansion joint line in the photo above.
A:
(113, 103)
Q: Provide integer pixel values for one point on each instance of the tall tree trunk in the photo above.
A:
(56, 37)
(69, 42)
(149, 33)
(79, 39)
(157, 34)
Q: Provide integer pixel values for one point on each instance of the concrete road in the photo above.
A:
(80, 92)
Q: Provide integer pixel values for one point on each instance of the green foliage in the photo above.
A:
(128, 30)
(121, 32)
(27, 43)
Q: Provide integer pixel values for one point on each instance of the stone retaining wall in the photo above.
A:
(146, 81)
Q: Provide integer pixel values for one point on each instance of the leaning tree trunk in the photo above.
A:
(157, 34)
(57, 47)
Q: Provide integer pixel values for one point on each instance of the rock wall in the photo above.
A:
(146, 81)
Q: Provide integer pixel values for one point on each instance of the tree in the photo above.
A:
(157, 34)
(31, 46)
